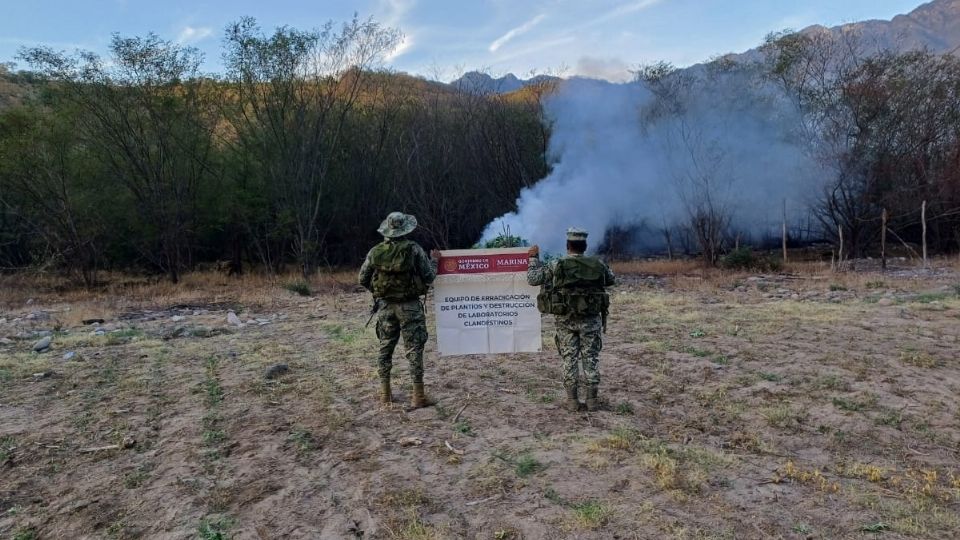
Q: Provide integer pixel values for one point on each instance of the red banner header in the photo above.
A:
(483, 264)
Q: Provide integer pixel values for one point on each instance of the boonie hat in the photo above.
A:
(397, 224)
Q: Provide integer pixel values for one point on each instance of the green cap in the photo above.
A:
(574, 233)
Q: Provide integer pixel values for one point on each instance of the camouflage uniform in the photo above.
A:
(579, 306)
(402, 318)
(577, 338)
(401, 314)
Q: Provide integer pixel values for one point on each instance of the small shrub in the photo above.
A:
(300, 287)
(342, 334)
(784, 416)
(743, 258)
(214, 391)
(835, 287)
(591, 514)
(303, 440)
(7, 445)
(547, 397)
(551, 495)
(928, 298)
(875, 528)
(919, 359)
(405, 498)
(25, 534)
(770, 377)
(463, 427)
(700, 353)
(121, 337)
(505, 240)
(136, 478)
(212, 437)
(214, 529)
(526, 465)
(890, 417)
(847, 404)
(830, 382)
(624, 408)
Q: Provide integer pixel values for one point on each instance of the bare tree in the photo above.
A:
(884, 122)
(147, 114)
(39, 170)
(294, 91)
(698, 160)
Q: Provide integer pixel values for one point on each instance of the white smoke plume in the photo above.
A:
(615, 162)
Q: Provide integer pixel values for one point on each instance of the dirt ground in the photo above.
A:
(801, 405)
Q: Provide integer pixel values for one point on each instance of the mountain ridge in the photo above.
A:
(934, 26)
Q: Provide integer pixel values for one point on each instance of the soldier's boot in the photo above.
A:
(593, 402)
(419, 399)
(572, 404)
(386, 397)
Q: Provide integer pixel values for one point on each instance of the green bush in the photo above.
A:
(743, 258)
(505, 241)
(526, 465)
(300, 287)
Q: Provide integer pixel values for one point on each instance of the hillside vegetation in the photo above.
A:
(293, 155)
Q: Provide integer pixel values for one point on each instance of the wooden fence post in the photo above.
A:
(784, 233)
(923, 217)
(840, 253)
(883, 242)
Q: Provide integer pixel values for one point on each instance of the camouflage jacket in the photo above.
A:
(542, 274)
(422, 264)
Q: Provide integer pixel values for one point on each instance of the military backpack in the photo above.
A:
(577, 288)
(395, 277)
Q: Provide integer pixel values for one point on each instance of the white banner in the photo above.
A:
(483, 304)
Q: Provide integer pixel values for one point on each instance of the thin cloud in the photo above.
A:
(402, 48)
(191, 34)
(522, 29)
(535, 48)
(393, 14)
(621, 10)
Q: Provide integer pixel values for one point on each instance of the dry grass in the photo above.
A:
(745, 413)
(694, 275)
(660, 267)
(119, 293)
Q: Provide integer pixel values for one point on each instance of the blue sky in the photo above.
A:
(446, 37)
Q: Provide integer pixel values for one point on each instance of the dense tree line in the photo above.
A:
(293, 156)
(881, 130)
(886, 125)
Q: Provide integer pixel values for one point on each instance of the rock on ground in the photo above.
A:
(276, 370)
(43, 344)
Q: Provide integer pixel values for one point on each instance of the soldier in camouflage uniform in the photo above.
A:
(573, 290)
(398, 272)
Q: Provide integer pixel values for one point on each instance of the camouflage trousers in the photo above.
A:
(579, 340)
(406, 319)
